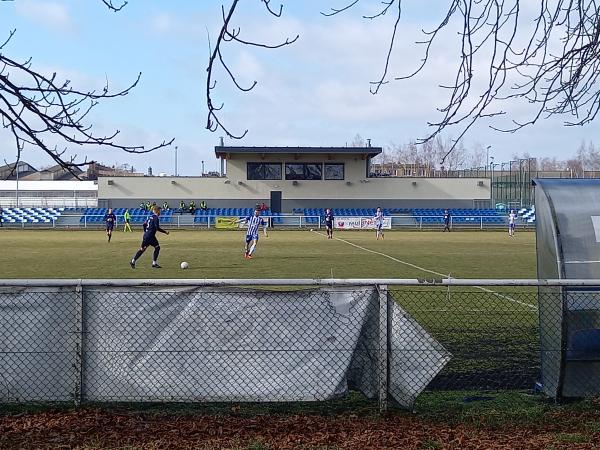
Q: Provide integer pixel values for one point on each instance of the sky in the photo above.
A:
(312, 93)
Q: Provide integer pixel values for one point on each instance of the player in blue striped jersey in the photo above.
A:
(378, 219)
(253, 222)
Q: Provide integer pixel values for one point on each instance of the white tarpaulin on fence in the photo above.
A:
(207, 344)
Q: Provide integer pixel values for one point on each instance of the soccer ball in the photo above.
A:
(311, 229)
(184, 265)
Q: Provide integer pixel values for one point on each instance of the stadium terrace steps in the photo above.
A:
(425, 216)
(463, 216)
(138, 215)
(527, 214)
(31, 215)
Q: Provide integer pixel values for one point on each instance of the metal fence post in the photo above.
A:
(77, 391)
(383, 349)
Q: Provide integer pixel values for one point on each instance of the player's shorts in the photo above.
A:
(126, 220)
(251, 237)
(329, 225)
(110, 226)
(378, 226)
(149, 241)
(511, 226)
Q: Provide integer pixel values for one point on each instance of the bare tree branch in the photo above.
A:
(550, 61)
(112, 7)
(226, 35)
(38, 108)
(335, 11)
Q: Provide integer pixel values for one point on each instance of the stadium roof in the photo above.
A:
(222, 151)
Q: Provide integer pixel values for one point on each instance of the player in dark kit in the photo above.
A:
(149, 239)
(447, 220)
(329, 223)
(110, 220)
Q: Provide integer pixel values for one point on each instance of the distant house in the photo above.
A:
(10, 171)
(396, 169)
(54, 173)
(96, 170)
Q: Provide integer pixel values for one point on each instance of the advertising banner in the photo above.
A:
(227, 223)
(360, 223)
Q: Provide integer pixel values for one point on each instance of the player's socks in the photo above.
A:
(155, 255)
(252, 247)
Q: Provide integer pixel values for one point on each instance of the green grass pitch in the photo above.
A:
(284, 254)
(492, 336)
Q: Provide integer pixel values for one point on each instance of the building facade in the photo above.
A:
(288, 178)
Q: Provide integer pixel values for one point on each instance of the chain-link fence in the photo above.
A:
(292, 340)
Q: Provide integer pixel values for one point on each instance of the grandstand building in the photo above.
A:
(292, 178)
(295, 183)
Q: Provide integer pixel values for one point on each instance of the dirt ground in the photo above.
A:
(88, 428)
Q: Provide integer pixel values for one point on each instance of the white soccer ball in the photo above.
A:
(311, 229)
(184, 265)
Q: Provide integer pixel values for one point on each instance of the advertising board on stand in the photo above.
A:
(360, 223)
(227, 223)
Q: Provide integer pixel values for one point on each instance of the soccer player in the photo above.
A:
(512, 218)
(378, 223)
(110, 219)
(127, 218)
(329, 223)
(253, 222)
(149, 239)
(446, 220)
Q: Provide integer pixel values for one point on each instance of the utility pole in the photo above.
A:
(175, 160)
(492, 183)
(17, 191)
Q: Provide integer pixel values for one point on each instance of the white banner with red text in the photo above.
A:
(360, 223)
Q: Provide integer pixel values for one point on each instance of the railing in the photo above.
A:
(290, 221)
(240, 340)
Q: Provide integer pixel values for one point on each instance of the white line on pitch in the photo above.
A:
(429, 271)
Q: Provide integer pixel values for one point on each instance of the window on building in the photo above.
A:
(334, 171)
(264, 171)
(303, 171)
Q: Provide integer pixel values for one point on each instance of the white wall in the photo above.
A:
(198, 188)
(48, 193)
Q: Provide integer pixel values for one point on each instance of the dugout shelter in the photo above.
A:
(568, 247)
